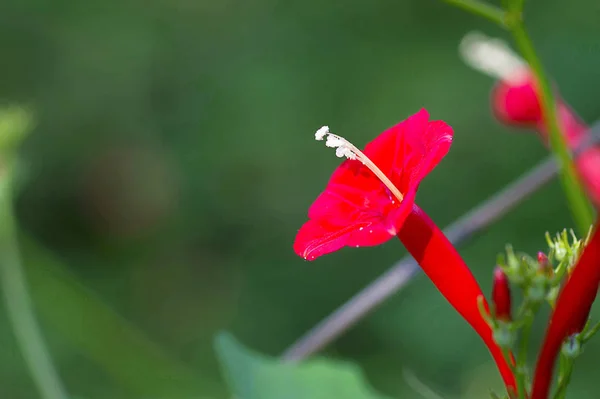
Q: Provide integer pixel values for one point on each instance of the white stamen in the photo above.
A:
(340, 152)
(321, 133)
(344, 148)
(490, 56)
(334, 142)
(343, 151)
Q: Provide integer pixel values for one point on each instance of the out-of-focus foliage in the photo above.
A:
(173, 161)
(15, 122)
(253, 376)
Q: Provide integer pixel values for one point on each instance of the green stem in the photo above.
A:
(513, 6)
(493, 13)
(524, 341)
(579, 204)
(521, 367)
(564, 380)
(18, 302)
(509, 360)
(589, 333)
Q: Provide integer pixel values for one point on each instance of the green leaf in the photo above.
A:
(254, 376)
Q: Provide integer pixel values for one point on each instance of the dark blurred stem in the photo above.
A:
(403, 271)
(18, 303)
(579, 204)
(493, 13)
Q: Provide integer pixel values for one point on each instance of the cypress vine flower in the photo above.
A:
(371, 193)
(370, 198)
(516, 102)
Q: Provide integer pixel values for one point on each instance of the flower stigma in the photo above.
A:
(344, 148)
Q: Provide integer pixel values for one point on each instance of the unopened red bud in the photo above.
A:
(542, 260)
(516, 102)
(501, 295)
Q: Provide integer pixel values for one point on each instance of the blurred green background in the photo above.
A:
(173, 161)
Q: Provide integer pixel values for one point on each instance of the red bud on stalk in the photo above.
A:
(501, 295)
(544, 263)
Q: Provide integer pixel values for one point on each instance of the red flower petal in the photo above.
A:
(407, 152)
(570, 314)
(588, 165)
(356, 208)
(446, 269)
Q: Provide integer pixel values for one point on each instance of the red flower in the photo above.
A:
(370, 198)
(515, 101)
(356, 208)
(570, 314)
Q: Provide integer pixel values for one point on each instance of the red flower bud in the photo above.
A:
(542, 259)
(516, 102)
(501, 295)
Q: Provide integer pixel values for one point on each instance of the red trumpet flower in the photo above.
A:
(570, 313)
(516, 102)
(370, 199)
(357, 208)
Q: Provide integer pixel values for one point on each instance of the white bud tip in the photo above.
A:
(321, 133)
(490, 56)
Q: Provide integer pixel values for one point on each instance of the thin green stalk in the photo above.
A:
(589, 333)
(579, 204)
(520, 369)
(18, 302)
(564, 379)
(525, 333)
(515, 6)
(493, 13)
(508, 357)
